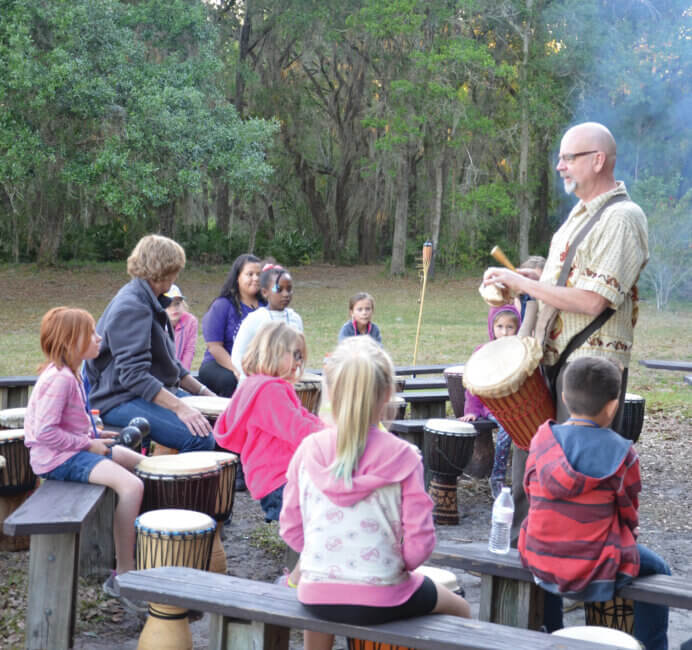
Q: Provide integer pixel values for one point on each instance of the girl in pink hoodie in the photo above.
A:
(265, 421)
(356, 509)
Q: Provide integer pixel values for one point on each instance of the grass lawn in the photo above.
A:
(454, 318)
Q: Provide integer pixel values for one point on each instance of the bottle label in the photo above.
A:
(503, 515)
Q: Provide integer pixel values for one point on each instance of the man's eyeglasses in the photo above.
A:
(297, 356)
(571, 157)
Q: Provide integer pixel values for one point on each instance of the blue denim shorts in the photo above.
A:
(78, 468)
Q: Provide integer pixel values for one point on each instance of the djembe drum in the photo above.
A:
(633, 416)
(228, 464)
(12, 418)
(171, 538)
(17, 481)
(210, 406)
(617, 614)
(447, 448)
(309, 390)
(602, 635)
(505, 375)
(454, 376)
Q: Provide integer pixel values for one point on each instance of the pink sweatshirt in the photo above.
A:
(56, 425)
(186, 339)
(264, 422)
(358, 545)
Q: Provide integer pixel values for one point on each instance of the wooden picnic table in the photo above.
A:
(667, 364)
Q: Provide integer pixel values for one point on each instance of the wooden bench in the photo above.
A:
(14, 391)
(249, 614)
(665, 364)
(510, 596)
(425, 383)
(426, 369)
(428, 404)
(70, 525)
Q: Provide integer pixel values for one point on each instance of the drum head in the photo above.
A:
(441, 576)
(455, 370)
(633, 397)
(191, 462)
(12, 418)
(171, 520)
(606, 635)
(218, 457)
(450, 427)
(208, 405)
(501, 366)
(7, 435)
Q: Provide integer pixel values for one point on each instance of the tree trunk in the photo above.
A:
(398, 265)
(223, 208)
(437, 212)
(167, 219)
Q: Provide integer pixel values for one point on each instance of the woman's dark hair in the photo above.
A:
(230, 288)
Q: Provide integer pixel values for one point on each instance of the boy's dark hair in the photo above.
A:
(589, 384)
(230, 288)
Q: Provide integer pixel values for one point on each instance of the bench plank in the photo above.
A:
(56, 507)
(269, 604)
(673, 591)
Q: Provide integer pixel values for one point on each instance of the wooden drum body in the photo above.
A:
(309, 390)
(183, 481)
(447, 448)
(454, 377)
(633, 416)
(17, 482)
(227, 464)
(171, 538)
(505, 375)
(617, 614)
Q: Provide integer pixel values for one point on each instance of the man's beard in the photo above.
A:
(570, 185)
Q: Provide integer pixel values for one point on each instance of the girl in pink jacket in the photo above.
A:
(62, 438)
(265, 421)
(356, 509)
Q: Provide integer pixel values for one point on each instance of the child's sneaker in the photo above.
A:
(111, 588)
(283, 579)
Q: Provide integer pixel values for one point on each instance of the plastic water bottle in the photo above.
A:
(503, 513)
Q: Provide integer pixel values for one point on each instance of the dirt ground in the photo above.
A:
(254, 551)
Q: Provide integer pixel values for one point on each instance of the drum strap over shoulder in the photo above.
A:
(545, 325)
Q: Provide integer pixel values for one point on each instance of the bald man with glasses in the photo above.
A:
(603, 273)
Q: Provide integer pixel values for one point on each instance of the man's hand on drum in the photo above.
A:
(514, 280)
(193, 420)
(469, 417)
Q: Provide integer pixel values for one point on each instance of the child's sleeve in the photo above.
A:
(291, 518)
(376, 334)
(344, 332)
(188, 353)
(245, 333)
(418, 530)
(473, 405)
(628, 495)
(54, 400)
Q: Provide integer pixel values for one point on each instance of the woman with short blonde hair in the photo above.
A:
(137, 372)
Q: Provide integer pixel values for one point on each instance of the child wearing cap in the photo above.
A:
(184, 326)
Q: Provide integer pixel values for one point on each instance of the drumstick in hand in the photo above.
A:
(499, 255)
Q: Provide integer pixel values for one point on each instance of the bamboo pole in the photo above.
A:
(427, 258)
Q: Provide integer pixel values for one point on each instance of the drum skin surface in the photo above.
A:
(506, 377)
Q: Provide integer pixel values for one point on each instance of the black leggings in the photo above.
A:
(421, 602)
(219, 379)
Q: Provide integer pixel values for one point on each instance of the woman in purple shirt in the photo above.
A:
(239, 296)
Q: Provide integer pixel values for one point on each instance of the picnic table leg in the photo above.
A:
(232, 634)
(511, 602)
(50, 617)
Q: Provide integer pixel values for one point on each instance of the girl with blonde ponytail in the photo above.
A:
(355, 508)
